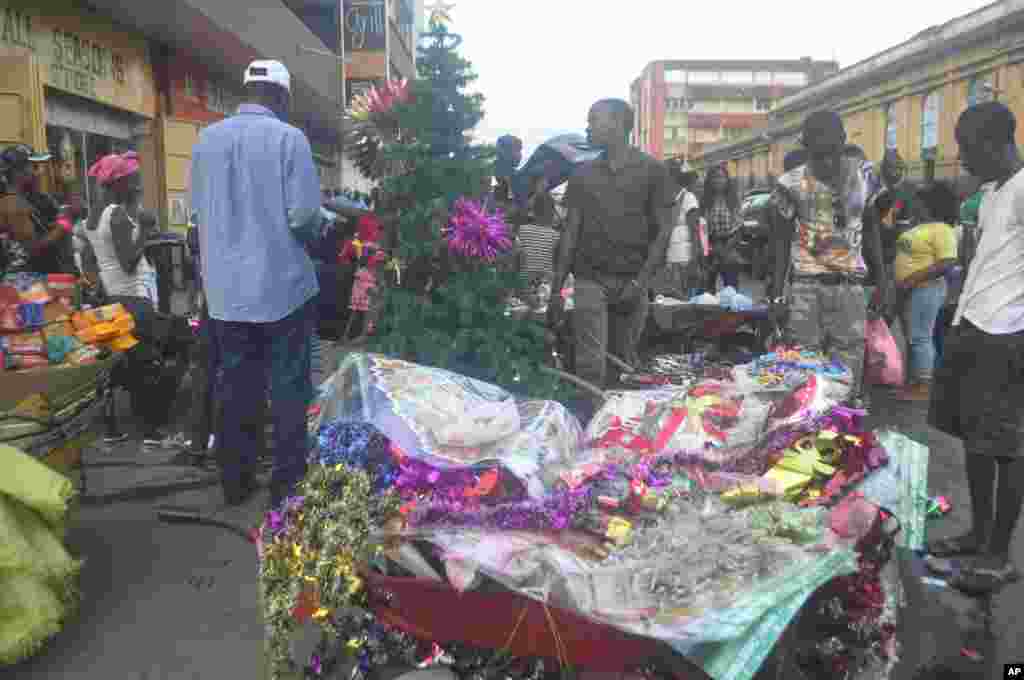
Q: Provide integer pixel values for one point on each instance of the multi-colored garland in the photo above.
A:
(310, 552)
(359, 481)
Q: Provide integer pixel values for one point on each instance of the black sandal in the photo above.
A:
(955, 546)
(976, 579)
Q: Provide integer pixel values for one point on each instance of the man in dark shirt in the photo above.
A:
(614, 242)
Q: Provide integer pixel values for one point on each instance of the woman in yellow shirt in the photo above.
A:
(925, 252)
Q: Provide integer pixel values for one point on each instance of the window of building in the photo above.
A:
(706, 106)
(702, 77)
(219, 99)
(979, 90)
(738, 77)
(889, 112)
(675, 76)
(791, 79)
(930, 120)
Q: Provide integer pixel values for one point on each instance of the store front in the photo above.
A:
(197, 97)
(73, 83)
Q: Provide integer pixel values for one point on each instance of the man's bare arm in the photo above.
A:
(660, 215)
(783, 219)
(567, 247)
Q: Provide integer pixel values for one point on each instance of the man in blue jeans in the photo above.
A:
(256, 194)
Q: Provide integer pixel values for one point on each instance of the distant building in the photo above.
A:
(380, 43)
(684, 106)
(907, 98)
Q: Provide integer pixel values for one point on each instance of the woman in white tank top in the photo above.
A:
(681, 277)
(117, 231)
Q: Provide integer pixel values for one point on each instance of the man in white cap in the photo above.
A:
(256, 197)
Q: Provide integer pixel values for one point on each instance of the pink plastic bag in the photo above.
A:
(884, 363)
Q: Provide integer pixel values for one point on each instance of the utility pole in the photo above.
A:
(343, 88)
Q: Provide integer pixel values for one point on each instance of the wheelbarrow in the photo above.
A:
(521, 626)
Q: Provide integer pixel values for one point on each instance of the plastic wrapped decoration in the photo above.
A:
(707, 420)
(698, 574)
(805, 401)
(449, 421)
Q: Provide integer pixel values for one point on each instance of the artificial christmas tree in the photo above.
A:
(445, 305)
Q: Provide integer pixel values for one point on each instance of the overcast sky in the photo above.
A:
(543, 62)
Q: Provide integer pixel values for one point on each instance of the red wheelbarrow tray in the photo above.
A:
(525, 627)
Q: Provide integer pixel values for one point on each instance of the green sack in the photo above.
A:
(43, 554)
(15, 551)
(34, 484)
(30, 614)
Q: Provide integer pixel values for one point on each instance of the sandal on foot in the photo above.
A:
(978, 579)
(956, 546)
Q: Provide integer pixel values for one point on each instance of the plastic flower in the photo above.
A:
(380, 99)
(473, 232)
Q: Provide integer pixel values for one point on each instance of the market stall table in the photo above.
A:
(688, 322)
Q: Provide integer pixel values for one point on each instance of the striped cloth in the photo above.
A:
(538, 245)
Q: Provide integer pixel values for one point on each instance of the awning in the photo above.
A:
(80, 114)
(224, 35)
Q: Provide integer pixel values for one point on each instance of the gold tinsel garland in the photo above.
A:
(311, 551)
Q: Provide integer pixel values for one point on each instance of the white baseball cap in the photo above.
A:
(268, 71)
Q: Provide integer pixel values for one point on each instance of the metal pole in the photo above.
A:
(387, 40)
(342, 86)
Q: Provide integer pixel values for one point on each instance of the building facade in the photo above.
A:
(84, 80)
(74, 82)
(906, 98)
(87, 79)
(379, 37)
(683, 107)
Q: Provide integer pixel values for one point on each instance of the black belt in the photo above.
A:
(830, 279)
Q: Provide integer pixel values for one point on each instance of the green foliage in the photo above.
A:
(448, 311)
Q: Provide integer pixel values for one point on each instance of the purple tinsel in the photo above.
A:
(473, 232)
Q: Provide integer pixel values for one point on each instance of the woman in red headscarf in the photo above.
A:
(118, 229)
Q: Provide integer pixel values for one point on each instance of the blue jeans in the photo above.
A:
(250, 356)
(919, 311)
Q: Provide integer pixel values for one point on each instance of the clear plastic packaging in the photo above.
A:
(412, 405)
(704, 420)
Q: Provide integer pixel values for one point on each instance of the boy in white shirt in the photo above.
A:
(978, 394)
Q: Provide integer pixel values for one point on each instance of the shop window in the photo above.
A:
(738, 77)
(930, 120)
(889, 113)
(702, 77)
(791, 79)
(219, 99)
(979, 90)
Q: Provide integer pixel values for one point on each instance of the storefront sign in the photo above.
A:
(365, 25)
(196, 94)
(80, 52)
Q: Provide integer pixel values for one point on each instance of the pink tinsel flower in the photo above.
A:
(473, 232)
(380, 99)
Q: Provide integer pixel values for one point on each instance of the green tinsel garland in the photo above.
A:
(311, 555)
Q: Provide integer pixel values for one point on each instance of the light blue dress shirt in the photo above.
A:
(256, 195)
